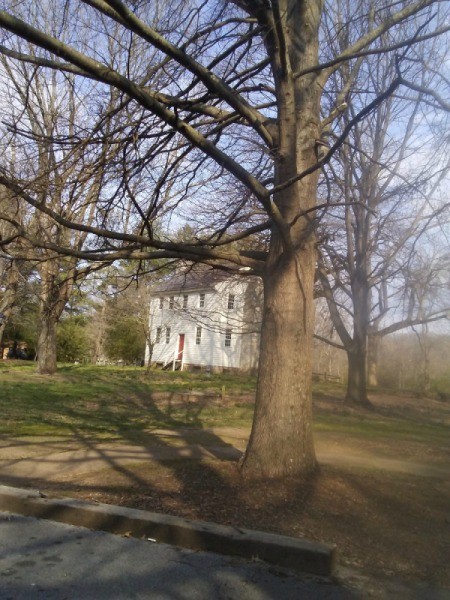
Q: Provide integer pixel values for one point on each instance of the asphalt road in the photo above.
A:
(46, 560)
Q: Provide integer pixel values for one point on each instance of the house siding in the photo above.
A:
(214, 319)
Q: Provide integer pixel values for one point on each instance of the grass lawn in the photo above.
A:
(112, 401)
(125, 402)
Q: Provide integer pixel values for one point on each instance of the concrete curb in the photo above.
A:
(292, 553)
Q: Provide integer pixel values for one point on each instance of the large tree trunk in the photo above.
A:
(47, 345)
(372, 359)
(356, 378)
(357, 350)
(55, 292)
(281, 442)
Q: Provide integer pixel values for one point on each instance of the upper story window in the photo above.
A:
(158, 335)
(231, 299)
(167, 335)
(198, 336)
(171, 302)
(185, 301)
(228, 337)
(202, 301)
(161, 303)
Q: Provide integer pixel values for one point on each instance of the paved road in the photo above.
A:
(45, 560)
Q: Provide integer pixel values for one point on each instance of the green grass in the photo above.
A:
(109, 401)
(378, 429)
(116, 402)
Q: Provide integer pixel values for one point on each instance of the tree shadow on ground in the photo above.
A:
(175, 455)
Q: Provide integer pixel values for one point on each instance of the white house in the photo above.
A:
(205, 319)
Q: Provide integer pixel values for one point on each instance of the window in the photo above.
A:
(228, 337)
(230, 301)
(167, 335)
(185, 301)
(158, 335)
(202, 301)
(161, 303)
(198, 336)
(171, 302)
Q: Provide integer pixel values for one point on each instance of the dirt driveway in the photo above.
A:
(63, 459)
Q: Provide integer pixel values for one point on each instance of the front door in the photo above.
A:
(180, 346)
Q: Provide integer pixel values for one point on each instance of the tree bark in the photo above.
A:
(281, 441)
(47, 346)
(55, 292)
(357, 349)
(356, 378)
(372, 359)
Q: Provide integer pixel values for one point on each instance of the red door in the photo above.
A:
(180, 346)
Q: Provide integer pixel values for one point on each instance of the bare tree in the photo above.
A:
(232, 92)
(389, 178)
(43, 109)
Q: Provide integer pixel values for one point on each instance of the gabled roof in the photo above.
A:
(195, 279)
